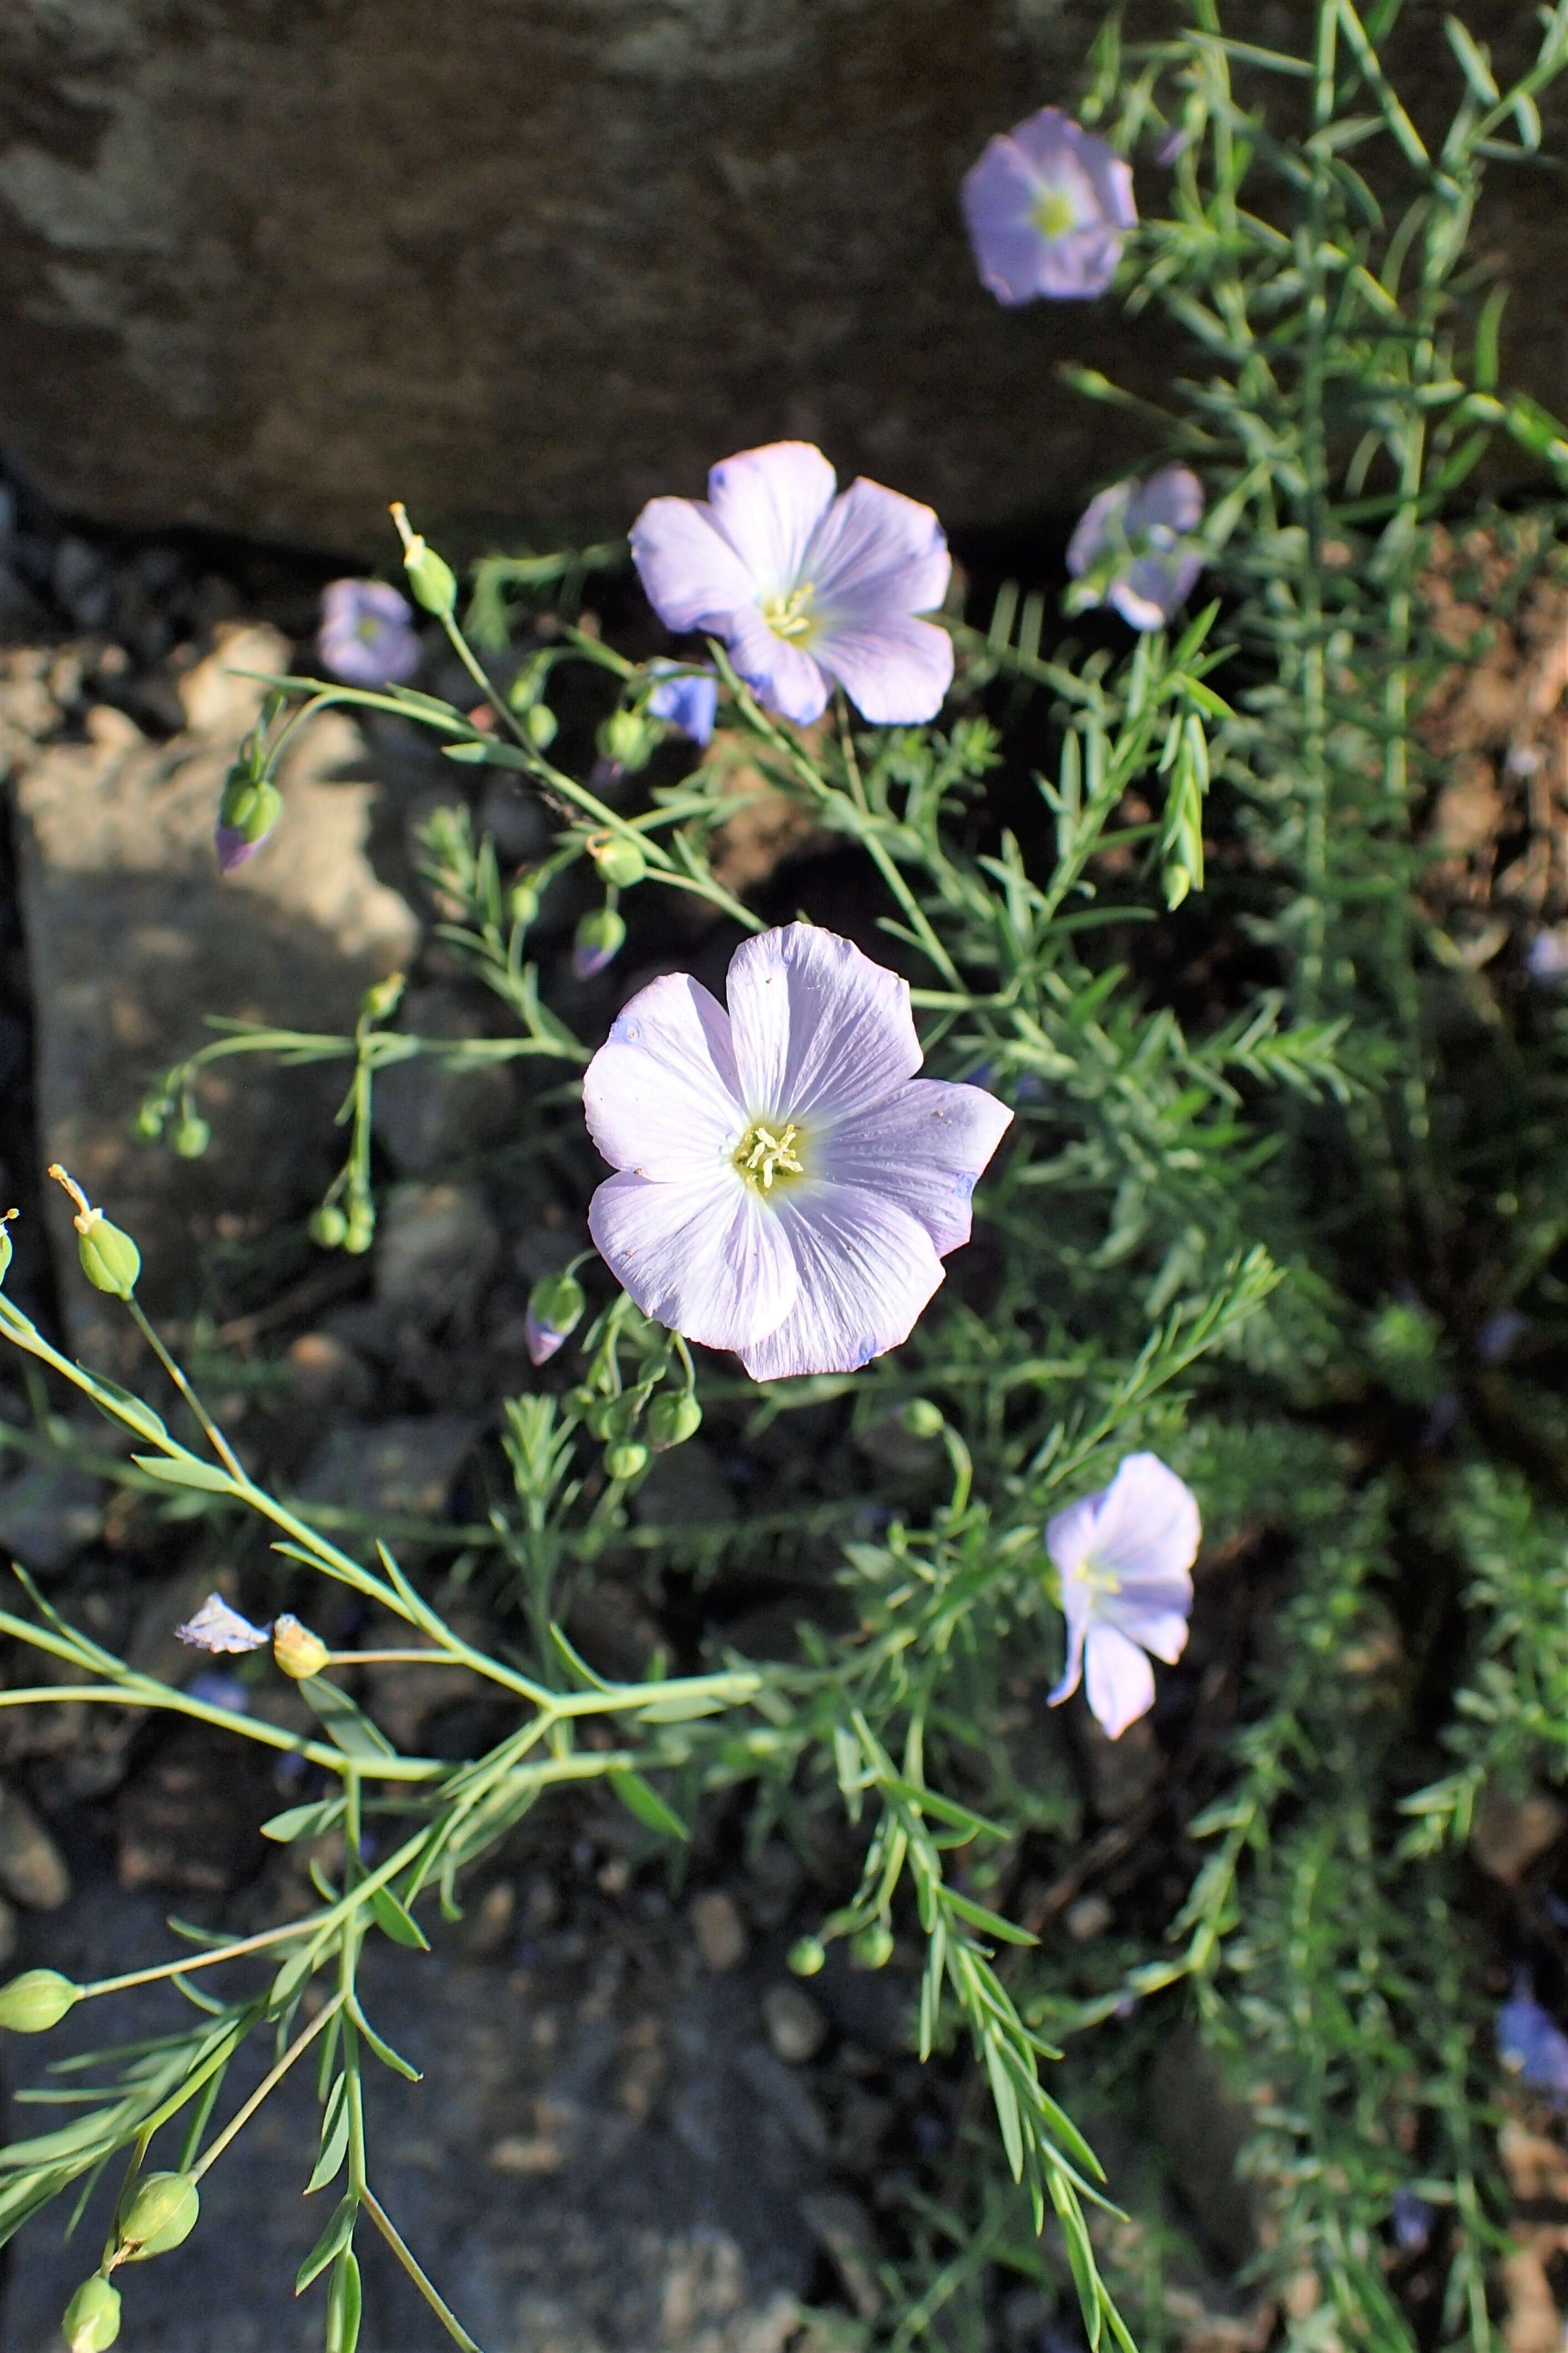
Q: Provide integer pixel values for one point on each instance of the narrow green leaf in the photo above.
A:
(184, 1471)
(1006, 2104)
(303, 1821)
(396, 1920)
(334, 2137)
(334, 2239)
(643, 1800)
(383, 2050)
(344, 1723)
(118, 1405)
(991, 1924)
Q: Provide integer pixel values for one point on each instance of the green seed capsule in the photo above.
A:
(328, 1226)
(192, 1138)
(806, 1956)
(620, 862)
(923, 1419)
(872, 1948)
(360, 1231)
(627, 1458)
(300, 1653)
(539, 725)
(36, 2001)
(162, 2215)
(672, 1420)
(109, 1260)
(148, 1123)
(91, 2321)
(626, 738)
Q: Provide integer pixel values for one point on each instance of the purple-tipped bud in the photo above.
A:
(600, 937)
(246, 814)
(554, 1310)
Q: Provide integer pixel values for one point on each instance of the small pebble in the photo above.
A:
(1090, 1918)
(796, 2028)
(717, 1926)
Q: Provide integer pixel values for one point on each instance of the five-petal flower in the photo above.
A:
(1125, 1559)
(1047, 206)
(787, 1188)
(367, 636)
(1132, 547)
(805, 587)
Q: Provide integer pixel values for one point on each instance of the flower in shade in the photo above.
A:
(1047, 206)
(789, 1187)
(1531, 2043)
(367, 635)
(686, 700)
(1411, 2220)
(217, 1627)
(1125, 1557)
(1132, 547)
(805, 587)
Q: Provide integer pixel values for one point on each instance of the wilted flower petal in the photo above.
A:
(685, 700)
(1125, 1557)
(1047, 206)
(367, 636)
(787, 1188)
(805, 588)
(217, 1627)
(1130, 548)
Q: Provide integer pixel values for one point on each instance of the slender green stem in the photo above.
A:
(215, 1436)
(389, 2231)
(268, 2084)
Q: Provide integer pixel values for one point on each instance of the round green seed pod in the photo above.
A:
(806, 1956)
(109, 1260)
(539, 725)
(431, 579)
(36, 2001)
(672, 1420)
(162, 2215)
(872, 1948)
(923, 1419)
(328, 1226)
(91, 2321)
(297, 1651)
(620, 862)
(627, 1458)
(192, 1138)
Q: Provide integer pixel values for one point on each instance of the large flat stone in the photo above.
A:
(133, 939)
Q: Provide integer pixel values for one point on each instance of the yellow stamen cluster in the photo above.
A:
(789, 616)
(762, 1156)
(1054, 214)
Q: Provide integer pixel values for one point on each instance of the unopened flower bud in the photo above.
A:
(626, 739)
(431, 579)
(873, 1948)
(382, 997)
(328, 1226)
(672, 1420)
(109, 1260)
(91, 2321)
(522, 906)
(192, 1137)
(618, 859)
(162, 2215)
(627, 1458)
(806, 1956)
(600, 937)
(554, 1310)
(148, 1123)
(923, 1419)
(300, 1653)
(36, 2001)
(246, 814)
(361, 1229)
(539, 725)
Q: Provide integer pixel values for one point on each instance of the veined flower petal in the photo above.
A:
(865, 1270)
(896, 671)
(662, 1095)
(768, 503)
(786, 678)
(1119, 1682)
(876, 552)
(820, 1031)
(691, 573)
(708, 1260)
(923, 1147)
(1147, 1529)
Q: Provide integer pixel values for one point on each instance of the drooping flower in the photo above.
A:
(217, 1627)
(789, 1187)
(686, 700)
(1047, 206)
(555, 1311)
(1530, 2043)
(1125, 1557)
(367, 636)
(1132, 547)
(805, 587)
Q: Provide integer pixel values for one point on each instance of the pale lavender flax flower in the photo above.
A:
(1132, 548)
(789, 1187)
(686, 701)
(220, 1629)
(367, 636)
(805, 587)
(1530, 2044)
(1047, 206)
(1125, 1557)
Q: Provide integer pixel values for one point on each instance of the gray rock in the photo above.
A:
(405, 1466)
(427, 1117)
(277, 266)
(48, 1512)
(32, 1868)
(583, 2170)
(796, 2028)
(437, 1249)
(133, 939)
